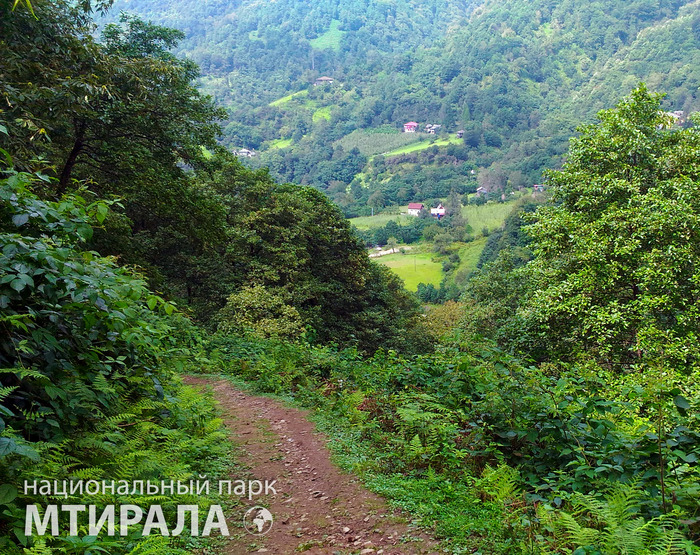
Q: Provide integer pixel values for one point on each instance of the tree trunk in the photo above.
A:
(67, 171)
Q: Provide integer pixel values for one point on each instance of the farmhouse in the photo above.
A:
(244, 152)
(481, 190)
(432, 128)
(323, 81)
(410, 127)
(414, 208)
(438, 212)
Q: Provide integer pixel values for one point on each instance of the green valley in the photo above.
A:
(459, 238)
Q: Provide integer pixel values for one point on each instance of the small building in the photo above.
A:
(432, 128)
(244, 152)
(438, 212)
(481, 191)
(410, 127)
(414, 208)
(323, 81)
(538, 187)
(460, 134)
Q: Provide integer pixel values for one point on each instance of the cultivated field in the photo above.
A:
(371, 143)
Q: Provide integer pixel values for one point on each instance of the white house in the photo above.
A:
(438, 212)
(414, 208)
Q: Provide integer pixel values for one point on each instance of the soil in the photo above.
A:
(317, 509)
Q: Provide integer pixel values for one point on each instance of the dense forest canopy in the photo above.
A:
(516, 77)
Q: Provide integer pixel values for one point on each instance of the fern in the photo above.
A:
(501, 484)
(613, 525)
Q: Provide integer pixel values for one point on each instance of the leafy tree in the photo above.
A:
(297, 245)
(617, 253)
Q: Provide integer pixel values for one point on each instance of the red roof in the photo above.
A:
(415, 206)
(411, 123)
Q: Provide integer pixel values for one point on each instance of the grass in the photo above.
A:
(370, 142)
(321, 113)
(289, 97)
(380, 220)
(422, 145)
(330, 40)
(280, 143)
(490, 216)
(470, 253)
(413, 268)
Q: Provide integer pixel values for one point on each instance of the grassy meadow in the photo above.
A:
(413, 268)
(422, 145)
(380, 220)
(490, 216)
(369, 143)
(330, 40)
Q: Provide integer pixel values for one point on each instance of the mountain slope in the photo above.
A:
(515, 75)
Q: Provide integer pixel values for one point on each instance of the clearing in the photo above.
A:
(330, 40)
(317, 508)
(414, 268)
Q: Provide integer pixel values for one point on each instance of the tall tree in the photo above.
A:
(618, 251)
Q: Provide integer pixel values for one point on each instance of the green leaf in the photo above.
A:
(682, 404)
(7, 446)
(101, 213)
(8, 493)
(152, 302)
(3, 130)
(20, 219)
(18, 284)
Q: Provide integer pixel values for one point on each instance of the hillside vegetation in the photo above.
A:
(516, 76)
(547, 399)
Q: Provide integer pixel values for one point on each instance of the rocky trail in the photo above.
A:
(317, 508)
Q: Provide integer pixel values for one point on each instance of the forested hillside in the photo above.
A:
(516, 77)
(549, 407)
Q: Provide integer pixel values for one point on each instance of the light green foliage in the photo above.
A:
(263, 312)
(330, 39)
(613, 526)
(321, 114)
(617, 251)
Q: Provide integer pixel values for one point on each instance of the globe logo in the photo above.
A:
(258, 521)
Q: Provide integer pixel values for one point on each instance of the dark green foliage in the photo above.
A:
(88, 356)
(294, 242)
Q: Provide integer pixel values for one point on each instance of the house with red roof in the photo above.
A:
(415, 208)
(410, 127)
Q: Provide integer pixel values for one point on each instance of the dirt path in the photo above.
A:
(317, 509)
